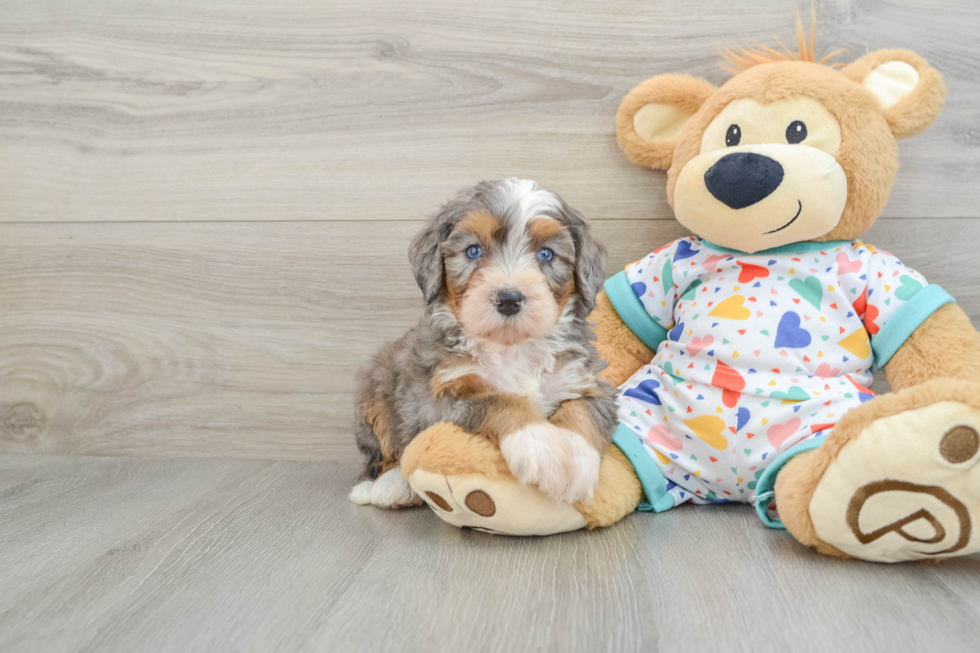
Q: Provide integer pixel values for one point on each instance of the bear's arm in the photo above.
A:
(617, 344)
(945, 345)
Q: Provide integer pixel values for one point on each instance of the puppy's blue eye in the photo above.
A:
(546, 255)
(474, 251)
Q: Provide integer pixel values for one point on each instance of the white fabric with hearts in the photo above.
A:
(709, 451)
(757, 352)
(779, 322)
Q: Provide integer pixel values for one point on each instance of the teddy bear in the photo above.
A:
(743, 353)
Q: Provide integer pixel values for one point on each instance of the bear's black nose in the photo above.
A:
(509, 302)
(741, 179)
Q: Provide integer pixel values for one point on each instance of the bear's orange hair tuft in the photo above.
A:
(741, 58)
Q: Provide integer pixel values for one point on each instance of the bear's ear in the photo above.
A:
(653, 113)
(909, 91)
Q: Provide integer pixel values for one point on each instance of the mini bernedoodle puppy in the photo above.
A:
(509, 273)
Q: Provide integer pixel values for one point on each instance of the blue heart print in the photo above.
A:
(684, 251)
(645, 392)
(743, 418)
(676, 332)
(639, 288)
(789, 334)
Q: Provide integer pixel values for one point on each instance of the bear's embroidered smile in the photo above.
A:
(798, 212)
(758, 164)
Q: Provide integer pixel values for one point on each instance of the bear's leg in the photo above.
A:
(898, 479)
(466, 481)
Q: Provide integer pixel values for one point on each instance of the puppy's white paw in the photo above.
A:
(560, 462)
(586, 464)
(361, 493)
(392, 491)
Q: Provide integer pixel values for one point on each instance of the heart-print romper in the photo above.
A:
(757, 356)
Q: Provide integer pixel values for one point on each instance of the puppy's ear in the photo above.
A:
(909, 91)
(590, 257)
(426, 260)
(652, 115)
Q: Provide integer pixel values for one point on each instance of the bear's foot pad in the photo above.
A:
(502, 507)
(907, 488)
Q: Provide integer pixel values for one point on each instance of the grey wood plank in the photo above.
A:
(374, 110)
(61, 501)
(242, 339)
(197, 339)
(127, 554)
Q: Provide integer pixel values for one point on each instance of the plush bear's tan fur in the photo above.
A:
(939, 362)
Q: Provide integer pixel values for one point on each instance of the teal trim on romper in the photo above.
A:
(766, 488)
(908, 318)
(653, 481)
(635, 317)
(631, 311)
(792, 248)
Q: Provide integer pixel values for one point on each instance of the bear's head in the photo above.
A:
(789, 149)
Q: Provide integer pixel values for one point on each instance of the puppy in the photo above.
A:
(509, 273)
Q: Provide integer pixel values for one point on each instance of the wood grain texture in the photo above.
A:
(242, 339)
(375, 110)
(249, 175)
(205, 339)
(125, 555)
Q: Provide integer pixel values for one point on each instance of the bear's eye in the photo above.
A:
(474, 251)
(733, 136)
(796, 132)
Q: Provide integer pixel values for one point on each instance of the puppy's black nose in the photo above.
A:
(509, 302)
(741, 179)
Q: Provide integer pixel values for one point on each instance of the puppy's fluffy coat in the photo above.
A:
(509, 273)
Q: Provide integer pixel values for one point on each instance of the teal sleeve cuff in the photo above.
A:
(905, 321)
(631, 311)
(766, 489)
(651, 479)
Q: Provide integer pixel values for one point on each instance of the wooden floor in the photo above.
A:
(205, 209)
(128, 554)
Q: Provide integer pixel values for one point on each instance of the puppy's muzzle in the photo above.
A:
(509, 302)
(741, 179)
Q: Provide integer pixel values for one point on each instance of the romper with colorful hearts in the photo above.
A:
(757, 355)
